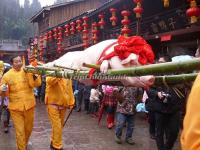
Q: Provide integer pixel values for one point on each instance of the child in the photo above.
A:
(4, 112)
(110, 103)
(94, 101)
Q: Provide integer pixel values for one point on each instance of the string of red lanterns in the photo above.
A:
(41, 45)
(55, 33)
(72, 29)
(94, 32)
(113, 18)
(138, 9)
(49, 36)
(85, 32)
(78, 27)
(101, 22)
(125, 30)
(67, 31)
(193, 12)
(59, 38)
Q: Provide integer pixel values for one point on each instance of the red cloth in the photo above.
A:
(126, 46)
(136, 45)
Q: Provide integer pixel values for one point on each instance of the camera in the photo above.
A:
(166, 97)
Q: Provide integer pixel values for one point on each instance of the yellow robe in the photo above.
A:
(59, 92)
(20, 87)
(58, 96)
(190, 137)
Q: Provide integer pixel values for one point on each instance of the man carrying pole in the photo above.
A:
(59, 96)
(19, 85)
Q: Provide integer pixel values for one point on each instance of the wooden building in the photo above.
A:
(80, 23)
(51, 16)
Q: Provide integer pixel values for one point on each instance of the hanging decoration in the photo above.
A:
(101, 22)
(72, 29)
(59, 40)
(67, 31)
(125, 30)
(59, 34)
(85, 32)
(138, 9)
(166, 3)
(113, 18)
(193, 12)
(49, 36)
(45, 37)
(78, 25)
(55, 33)
(31, 52)
(94, 32)
(39, 54)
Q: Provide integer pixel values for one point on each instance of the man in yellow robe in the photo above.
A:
(190, 138)
(19, 85)
(59, 96)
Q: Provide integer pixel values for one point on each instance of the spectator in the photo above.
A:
(126, 114)
(166, 102)
(4, 112)
(109, 102)
(86, 97)
(94, 101)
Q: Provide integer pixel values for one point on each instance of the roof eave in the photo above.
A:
(39, 13)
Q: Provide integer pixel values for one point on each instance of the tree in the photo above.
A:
(14, 19)
(35, 6)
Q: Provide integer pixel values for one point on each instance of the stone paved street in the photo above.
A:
(81, 133)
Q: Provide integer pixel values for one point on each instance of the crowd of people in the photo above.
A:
(163, 106)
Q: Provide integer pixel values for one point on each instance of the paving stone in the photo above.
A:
(82, 132)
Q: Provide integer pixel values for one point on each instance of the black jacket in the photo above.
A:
(171, 104)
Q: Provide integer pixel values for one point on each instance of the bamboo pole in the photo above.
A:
(169, 79)
(91, 66)
(62, 67)
(175, 79)
(155, 69)
(56, 72)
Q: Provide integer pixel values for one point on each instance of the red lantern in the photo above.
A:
(78, 27)
(72, 29)
(193, 11)
(125, 30)
(138, 9)
(113, 19)
(67, 32)
(85, 32)
(101, 22)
